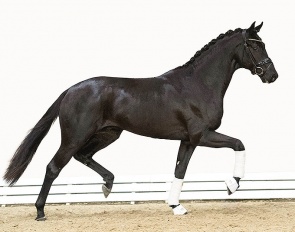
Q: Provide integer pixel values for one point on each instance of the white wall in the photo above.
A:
(47, 46)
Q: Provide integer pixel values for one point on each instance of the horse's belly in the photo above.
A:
(152, 124)
(161, 132)
(164, 129)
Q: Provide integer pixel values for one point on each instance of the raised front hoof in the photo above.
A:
(228, 191)
(106, 191)
(178, 209)
(40, 219)
(232, 186)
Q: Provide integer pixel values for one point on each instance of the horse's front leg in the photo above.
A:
(184, 154)
(217, 140)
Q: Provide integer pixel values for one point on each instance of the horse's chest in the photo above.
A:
(214, 115)
(209, 115)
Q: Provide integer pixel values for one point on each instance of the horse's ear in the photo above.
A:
(257, 29)
(251, 29)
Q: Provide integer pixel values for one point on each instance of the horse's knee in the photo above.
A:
(239, 146)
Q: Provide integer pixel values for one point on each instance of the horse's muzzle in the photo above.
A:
(270, 79)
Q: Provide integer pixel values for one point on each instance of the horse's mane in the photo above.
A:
(212, 42)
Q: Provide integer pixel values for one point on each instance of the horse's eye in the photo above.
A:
(255, 47)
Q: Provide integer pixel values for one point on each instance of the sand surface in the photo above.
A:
(202, 216)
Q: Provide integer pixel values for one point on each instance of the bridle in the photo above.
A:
(257, 66)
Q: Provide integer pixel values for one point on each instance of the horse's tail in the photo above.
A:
(25, 152)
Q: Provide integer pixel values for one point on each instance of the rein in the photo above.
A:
(257, 66)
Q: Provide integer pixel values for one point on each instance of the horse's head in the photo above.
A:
(255, 57)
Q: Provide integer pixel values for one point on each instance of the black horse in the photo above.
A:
(183, 104)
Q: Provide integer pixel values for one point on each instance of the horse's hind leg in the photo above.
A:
(100, 140)
(61, 158)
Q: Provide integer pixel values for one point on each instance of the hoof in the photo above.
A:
(40, 219)
(179, 210)
(228, 191)
(106, 191)
(231, 186)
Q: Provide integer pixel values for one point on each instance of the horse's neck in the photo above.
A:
(215, 68)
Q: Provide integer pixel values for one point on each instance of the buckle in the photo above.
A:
(258, 70)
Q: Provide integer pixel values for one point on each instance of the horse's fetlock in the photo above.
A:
(109, 179)
(39, 206)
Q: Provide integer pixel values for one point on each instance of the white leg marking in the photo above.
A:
(174, 197)
(240, 160)
(239, 171)
(179, 210)
(232, 185)
(175, 192)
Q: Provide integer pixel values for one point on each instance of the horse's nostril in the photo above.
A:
(274, 77)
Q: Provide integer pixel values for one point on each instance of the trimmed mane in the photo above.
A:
(207, 46)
